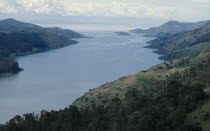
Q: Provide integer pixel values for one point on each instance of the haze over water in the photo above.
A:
(54, 79)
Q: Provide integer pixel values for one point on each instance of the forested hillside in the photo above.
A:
(173, 46)
(173, 95)
(22, 38)
(8, 63)
(19, 38)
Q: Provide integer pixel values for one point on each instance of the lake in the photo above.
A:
(54, 79)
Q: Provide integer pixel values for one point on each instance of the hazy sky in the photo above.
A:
(183, 10)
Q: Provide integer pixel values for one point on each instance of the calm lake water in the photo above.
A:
(54, 79)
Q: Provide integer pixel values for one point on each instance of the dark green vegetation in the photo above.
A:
(171, 27)
(174, 95)
(122, 33)
(19, 38)
(137, 111)
(7, 63)
(22, 38)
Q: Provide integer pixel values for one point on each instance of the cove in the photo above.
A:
(52, 80)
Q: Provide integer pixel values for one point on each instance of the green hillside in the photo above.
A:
(179, 45)
(22, 38)
(19, 38)
(148, 80)
(171, 96)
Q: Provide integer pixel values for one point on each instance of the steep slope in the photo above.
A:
(150, 80)
(182, 44)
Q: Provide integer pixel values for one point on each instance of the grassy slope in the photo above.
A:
(103, 94)
(106, 92)
(118, 88)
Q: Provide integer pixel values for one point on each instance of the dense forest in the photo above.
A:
(8, 63)
(173, 95)
(19, 38)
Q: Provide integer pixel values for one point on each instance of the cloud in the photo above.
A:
(201, 1)
(170, 9)
(6, 8)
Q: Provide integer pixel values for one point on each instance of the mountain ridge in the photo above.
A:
(171, 27)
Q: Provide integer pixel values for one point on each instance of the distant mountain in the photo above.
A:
(122, 33)
(19, 38)
(14, 25)
(171, 27)
(138, 30)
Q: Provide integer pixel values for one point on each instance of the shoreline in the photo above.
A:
(117, 77)
(7, 74)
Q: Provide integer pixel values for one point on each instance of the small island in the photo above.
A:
(122, 33)
(138, 30)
